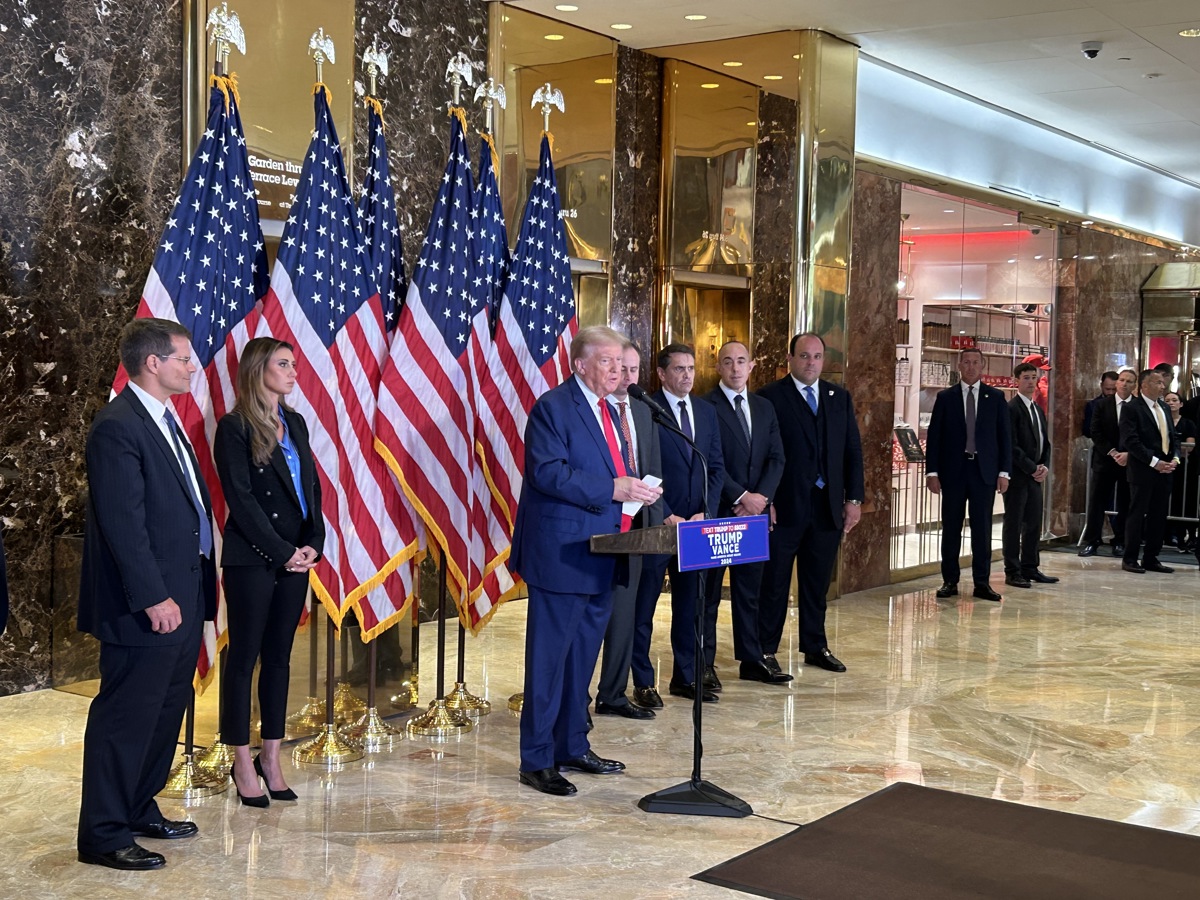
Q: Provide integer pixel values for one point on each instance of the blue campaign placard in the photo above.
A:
(709, 543)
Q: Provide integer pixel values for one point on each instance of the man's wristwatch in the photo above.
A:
(855, 502)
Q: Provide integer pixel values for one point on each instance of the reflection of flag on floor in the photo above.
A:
(208, 274)
(322, 301)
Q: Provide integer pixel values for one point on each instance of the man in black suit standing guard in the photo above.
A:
(753, 466)
(1108, 466)
(148, 583)
(819, 498)
(1149, 438)
(1024, 498)
(969, 455)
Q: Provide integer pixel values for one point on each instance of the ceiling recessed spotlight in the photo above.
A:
(1190, 32)
(1039, 256)
(620, 26)
(554, 37)
(772, 78)
(696, 18)
(949, 210)
(709, 85)
(1012, 260)
(1087, 222)
(567, 7)
(604, 81)
(731, 63)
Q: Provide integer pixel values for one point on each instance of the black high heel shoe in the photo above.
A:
(285, 794)
(262, 801)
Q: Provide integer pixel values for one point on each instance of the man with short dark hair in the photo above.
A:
(1108, 387)
(1149, 438)
(148, 583)
(1023, 500)
(1108, 467)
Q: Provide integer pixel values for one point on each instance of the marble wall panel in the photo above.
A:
(637, 185)
(870, 370)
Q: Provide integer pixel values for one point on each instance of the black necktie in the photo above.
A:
(685, 425)
(738, 400)
(971, 419)
(1037, 427)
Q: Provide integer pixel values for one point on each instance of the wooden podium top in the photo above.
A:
(659, 540)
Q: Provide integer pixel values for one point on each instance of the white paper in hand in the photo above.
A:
(631, 507)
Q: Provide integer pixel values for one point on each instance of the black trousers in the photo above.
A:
(131, 734)
(744, 583)
(812, 549)
(618, 640)
(1104, 479)
(979, 497)
(1022, 533)
(263, 607)
(1147, 519)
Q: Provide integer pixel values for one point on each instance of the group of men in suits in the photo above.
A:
(792, 452)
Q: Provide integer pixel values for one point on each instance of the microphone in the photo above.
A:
(636, 391)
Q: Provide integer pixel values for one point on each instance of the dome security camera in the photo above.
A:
(1091, 49)
(1035, 230)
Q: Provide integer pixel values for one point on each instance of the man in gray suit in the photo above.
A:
(639, 443)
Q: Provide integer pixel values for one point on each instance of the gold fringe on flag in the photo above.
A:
(459, 113)
(550, 138)
(227, 85)
(320, 86)
(495, 156)
(372, 103)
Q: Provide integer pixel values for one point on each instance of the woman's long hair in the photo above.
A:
(258, 407)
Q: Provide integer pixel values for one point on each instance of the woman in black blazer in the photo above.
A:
(273, 536)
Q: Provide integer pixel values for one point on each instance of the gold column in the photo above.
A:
(824, 189)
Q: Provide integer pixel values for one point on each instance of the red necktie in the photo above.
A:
(610, 437)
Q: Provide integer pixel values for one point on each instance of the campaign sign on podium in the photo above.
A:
(709, 543)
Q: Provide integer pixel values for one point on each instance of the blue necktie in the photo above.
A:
(206, 536)
(685, 425)
(811, 397)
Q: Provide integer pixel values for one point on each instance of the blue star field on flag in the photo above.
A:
(380, 226)
(212, 261)
(491, 237)
(444, 270)
(321, 248)
(539, 285)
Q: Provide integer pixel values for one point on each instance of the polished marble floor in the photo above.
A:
(1083, 696)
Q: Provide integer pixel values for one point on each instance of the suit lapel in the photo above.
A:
(642, 423)
(800, 410)
(591, 425)
(158, 439)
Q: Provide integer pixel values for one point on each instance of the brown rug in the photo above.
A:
(908, 841)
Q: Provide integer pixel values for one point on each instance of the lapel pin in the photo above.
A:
(831, 393)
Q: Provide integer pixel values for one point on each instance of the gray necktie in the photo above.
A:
(206, 535)
(741, 416)
(971, 419)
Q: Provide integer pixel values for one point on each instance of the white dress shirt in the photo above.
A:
(156, 408)
(730, 394)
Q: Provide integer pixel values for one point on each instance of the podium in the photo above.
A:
(695, 797)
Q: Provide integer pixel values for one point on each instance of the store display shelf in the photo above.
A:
(959, 350)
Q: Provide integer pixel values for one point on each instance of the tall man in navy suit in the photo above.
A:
(684, 491)
(1109, 460)
(968, 456)
(1022, 533)
(1149, 437)
(819, 498)
(754, 463)
(575, 484)
(148, 583)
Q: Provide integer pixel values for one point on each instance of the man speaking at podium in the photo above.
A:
(575, 483)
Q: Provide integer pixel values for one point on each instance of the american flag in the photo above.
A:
(323, 302)
(380, 227)
(209, 273)
(425, 426)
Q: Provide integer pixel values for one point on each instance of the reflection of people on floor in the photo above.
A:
(389, 655)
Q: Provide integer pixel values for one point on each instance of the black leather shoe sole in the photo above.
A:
(548, 781)
(626, 710)
(130, 859)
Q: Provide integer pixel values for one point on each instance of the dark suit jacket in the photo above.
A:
(266, 524)
(649, 453)
(141, 541)
(946, 443)
(683, 474)
(839, 461)
(566, 497)
(1106, 434)
(756, 467)
(1025, 455)
(1141, 438)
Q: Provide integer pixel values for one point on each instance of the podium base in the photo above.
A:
(695, 798)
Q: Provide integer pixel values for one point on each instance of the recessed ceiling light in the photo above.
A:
(620, 26)
(604, 81)
(709, 85)
(731, 63)
(773, 78)
(696, 18)
(554, 37)
(567, 7)
(949, 210)
(1087, 222)
(1012, 260)
(1190, 32)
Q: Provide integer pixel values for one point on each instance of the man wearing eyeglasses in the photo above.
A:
(148, 583)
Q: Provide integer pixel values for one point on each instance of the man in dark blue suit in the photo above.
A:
(684, 492)
(575, 483)
(1149, 438)
(819, 499)
(754, 463)
(968, 458)
(148, 583)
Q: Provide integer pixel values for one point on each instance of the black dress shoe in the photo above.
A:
(132, 858)
(1017, 581)
(749, 670)
(711, 681)
(285, 794)
(688, 692)
(1118, 549)
(548, 781)
(1133, 567)
(647, 698)
(628, 710)
(1153, 565)
(1088, 550)
(166, 830)
(772, 663)
(1041, 577)
(592, 765)
(825, 660)
(948, 589)
(985, 592)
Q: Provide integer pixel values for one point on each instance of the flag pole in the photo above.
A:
(188, 781)
(406, 698)
(311, 715)
(440, 722)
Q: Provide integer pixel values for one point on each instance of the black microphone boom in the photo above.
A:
(638, 393)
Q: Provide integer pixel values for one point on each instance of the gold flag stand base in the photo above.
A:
(327, 749)
(372, 733)
(309, 718)
(465, 702)
(439, 722)
(216, 758)
(189, 782)
(406, 698)
(347, 706)
(515, 702)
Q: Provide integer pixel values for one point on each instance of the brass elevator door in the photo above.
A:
(705, 318)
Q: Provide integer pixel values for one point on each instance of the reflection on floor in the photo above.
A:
(1084, 696)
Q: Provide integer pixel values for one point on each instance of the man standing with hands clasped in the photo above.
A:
(968, 457)
(1024, 497)
(1153, 447)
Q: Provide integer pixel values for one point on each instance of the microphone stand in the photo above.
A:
(695, 797)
